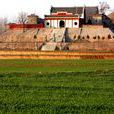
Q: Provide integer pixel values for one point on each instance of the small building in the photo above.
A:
(33, 19)
(90, 11)
(67, 17)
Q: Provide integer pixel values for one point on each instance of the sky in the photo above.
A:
(11, 8)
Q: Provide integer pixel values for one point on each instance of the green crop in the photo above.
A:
(57, 87)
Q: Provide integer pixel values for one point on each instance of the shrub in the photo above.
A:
(79, 37)
(46, 38)
(103, 37)
(74, 36)
(94, 37)
(98, 37)
(109, 36)
(88, 36)
(35, 37)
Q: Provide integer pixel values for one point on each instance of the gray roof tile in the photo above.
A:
(74, 10)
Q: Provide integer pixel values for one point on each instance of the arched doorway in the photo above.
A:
(61, 24)
(89, 22)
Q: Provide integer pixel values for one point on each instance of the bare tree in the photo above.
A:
(103, 7)
(3, 22)
(22, 19)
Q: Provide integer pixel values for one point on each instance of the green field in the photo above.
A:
(57, 86)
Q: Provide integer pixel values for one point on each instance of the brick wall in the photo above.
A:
(21, 26)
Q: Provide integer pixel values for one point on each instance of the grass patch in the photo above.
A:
(44, 66)
(57, 87)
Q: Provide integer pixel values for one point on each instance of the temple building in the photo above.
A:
(71, 17)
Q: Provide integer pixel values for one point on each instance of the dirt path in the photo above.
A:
(55, 55)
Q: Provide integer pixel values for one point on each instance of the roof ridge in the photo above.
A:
(69, 7)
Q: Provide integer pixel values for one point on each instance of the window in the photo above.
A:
(75, 23)
(47, 23)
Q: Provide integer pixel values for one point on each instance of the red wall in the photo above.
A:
(29, 26)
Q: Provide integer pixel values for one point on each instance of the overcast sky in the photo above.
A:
(11, 8)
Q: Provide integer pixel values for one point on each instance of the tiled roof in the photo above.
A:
(74, 10)
(92, 10)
